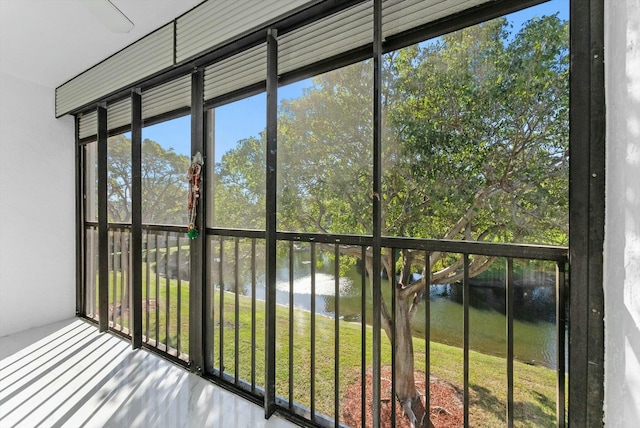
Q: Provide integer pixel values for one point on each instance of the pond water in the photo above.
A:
(534, 306)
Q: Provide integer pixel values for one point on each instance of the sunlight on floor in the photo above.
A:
(67, 374)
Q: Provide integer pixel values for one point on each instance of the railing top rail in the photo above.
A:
(325, 238)
(241, 233)
(493, 249)
(156, 227)
(165, 228)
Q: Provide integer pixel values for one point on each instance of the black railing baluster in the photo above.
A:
(129, 286)
(291, 302)
(313, 331)
(147, 286)
(509, 290)
(157, 291)
(209, 313)
(97, 296)
(560, 347)
(91, 272)
(179, 298)
(393, 282)
(90, 309)
(123, 278)
(221, 295)
(167, 291)
(427, 336)
(363, 333)
(114, 284)
(336, 343)
(253, 315)
(96, 274)
(465, 304)
(236, 279)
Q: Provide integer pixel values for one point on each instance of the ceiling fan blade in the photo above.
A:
(109, 15)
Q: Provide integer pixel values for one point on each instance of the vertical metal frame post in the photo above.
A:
(136, 219)
(377, 207)
(586, 214)
(197, 246)
(80, 219)
(270, 232)
(103, 231)
(207, 265)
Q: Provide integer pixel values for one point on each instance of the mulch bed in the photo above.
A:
(446, 403)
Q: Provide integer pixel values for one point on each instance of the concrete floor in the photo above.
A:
(68, 374)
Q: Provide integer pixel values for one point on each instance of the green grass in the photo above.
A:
(534, 387)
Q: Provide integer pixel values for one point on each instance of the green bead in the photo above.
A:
(192, 233)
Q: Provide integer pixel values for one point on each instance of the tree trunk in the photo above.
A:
(405, 384)
(405, 380)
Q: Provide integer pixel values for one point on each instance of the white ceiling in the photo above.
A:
(50, 41)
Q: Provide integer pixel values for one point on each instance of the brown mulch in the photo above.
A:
(446, 403)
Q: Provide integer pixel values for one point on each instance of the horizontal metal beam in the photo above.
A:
(494, 249)
(472, 16)
(241, 233)
(325, 238)
(516, 251)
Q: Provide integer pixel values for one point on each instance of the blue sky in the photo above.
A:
(247, 118)
(235, 121)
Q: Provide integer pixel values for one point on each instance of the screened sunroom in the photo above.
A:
(346, 213)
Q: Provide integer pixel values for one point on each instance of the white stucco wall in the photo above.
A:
(37, 208)
(622, 229)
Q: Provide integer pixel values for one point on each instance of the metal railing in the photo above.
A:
(165, 285)
(324, 341)
(165, 293)
(119, 276)
(235, 312)
(314, 336)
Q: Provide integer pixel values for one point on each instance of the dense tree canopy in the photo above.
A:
(475, 144)
(164, 182)
(480, 131)
(238, 186)
(475, 148)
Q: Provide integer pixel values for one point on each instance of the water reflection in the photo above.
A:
(534, 304)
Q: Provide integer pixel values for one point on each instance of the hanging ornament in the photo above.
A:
(194, 193)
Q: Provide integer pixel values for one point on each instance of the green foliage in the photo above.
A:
(324, 155)
(475, 135)
(239, 186)
(479, 128)
(164, 183)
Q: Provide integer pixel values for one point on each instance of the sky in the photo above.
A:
(247, 117)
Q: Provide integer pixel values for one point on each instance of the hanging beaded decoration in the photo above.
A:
(194, 193)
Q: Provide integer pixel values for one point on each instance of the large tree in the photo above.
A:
(164, 182)
(475, 148)
(238, 186)
(478, 139)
